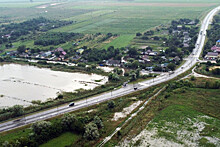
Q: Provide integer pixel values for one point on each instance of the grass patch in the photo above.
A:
(121, 41)
(63, 140)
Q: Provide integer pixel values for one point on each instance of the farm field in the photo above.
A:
(123, 18)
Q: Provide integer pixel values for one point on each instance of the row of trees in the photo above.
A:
(98, 55)
(46, 130)
(11, 112)
(56, 38)
(16, 30)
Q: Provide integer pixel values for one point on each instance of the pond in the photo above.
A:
(21, 84)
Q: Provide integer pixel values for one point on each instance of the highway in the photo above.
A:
(190, 62)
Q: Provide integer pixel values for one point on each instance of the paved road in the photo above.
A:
(192, 59)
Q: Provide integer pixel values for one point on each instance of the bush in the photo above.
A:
(111, 104)
(192, 78)
(91, 131)
(98, 122)
(67, 120)
(60, 96)
(17, 110)
(81, 65)
(42, 131)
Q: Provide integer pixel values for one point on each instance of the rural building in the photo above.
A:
(211, 56)
(179, 27)
(215, 49)
(152, 53)
(112, 62)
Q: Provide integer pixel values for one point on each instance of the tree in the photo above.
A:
(111, 104)
(98, 122)
(17, 110)
(42, 131)
(171, 66)
(21, 49)
(67, 120)
(135, 64)
(91, 131)
(81, 65)
(157, 68)
(193, 78)
(138, 34)
(132, 52)
(117, 70)
(113, 77)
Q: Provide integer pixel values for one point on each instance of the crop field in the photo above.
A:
(118, 17)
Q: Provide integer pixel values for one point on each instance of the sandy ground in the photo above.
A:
(126, 111)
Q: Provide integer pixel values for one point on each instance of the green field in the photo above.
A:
(121, 41)
(118, 17)
(65, 139)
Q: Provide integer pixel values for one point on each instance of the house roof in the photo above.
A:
(212, 54)
(218, 41)
(59, 49)
(111, 61)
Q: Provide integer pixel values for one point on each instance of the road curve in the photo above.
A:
(192, 59)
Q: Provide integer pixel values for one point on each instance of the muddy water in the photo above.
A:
(20, 84)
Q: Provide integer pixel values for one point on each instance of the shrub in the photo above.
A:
(111, 104)
(98, 122)
(91, 131)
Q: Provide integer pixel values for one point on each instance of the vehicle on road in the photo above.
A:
(171, 72)
(71, 104)
(135, 88)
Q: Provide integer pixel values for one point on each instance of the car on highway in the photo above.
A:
(135, 88)
(171, 72)
(71, 104)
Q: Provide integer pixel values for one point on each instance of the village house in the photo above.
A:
(177, 58)
(211, 56)
(80, 51)
(7, 36)
(185, 45)
(145, 58)
(192, 22)
(112, 62)
(215, 49)
(179, 27)
(153, 53)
